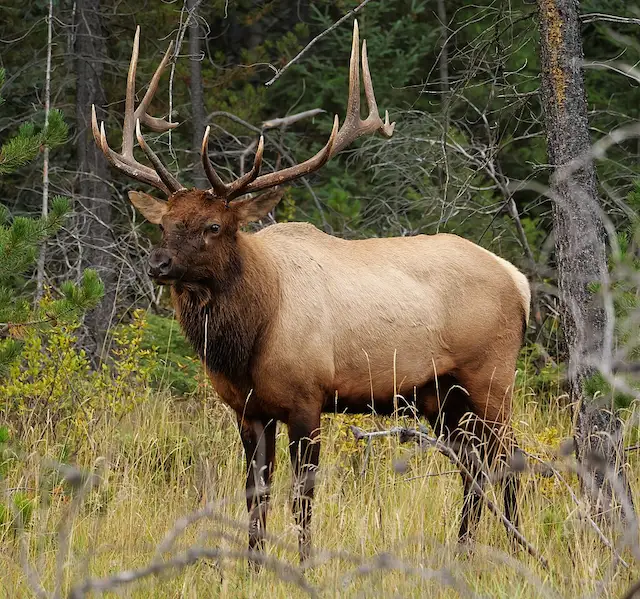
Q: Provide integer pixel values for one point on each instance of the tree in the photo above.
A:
(579, 237)
(93, 191)
(19, 240)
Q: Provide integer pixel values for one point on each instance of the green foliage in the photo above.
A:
(20, 237)
(537, 373)
(599, 388)
(17, 514)
(15, 511)
(624, 267)
(27, 143)
(51, 387)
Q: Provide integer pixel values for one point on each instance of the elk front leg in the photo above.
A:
(259, 441)
(304, 448)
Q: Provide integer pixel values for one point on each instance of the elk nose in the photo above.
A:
(159, 263)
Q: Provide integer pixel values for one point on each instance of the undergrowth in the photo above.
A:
(157, 456)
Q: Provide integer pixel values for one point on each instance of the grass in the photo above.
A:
(390, 532)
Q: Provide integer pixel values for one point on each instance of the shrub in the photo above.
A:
(51, 387)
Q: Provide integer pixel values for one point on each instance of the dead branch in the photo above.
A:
(189, 557)
(304, 50)
(591, 17)
(289, 120)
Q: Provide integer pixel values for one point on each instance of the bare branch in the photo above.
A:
(289, 120)
(315, 40)
(592, 17)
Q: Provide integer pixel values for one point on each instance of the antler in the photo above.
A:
(158, 176)
(352, 128)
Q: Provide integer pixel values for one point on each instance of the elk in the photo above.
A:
(290, 322)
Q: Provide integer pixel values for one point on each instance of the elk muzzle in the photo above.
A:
(160, 264)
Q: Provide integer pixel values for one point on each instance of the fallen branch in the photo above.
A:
(189, 557)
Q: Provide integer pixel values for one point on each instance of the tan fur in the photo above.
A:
(359, 316)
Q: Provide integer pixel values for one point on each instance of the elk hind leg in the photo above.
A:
(446, 408)
(491, 396)
(304, 450)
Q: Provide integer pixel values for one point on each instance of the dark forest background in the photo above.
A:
(468, 156)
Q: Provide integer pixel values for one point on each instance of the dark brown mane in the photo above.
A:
(223, 320)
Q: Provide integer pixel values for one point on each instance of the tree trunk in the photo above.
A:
(92, 191)
(196, 91)
(579, 242)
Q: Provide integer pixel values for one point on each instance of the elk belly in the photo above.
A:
(383, 383)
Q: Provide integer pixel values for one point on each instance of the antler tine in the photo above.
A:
(352, 118)
(132, 168)
(385, 128)
(217, 184)
(129, 109)
(155, 124)
(239, 184)
(167, 178)
(229, 190)
(159, 176)
(293, 172)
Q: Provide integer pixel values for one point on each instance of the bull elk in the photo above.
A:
(291, 322)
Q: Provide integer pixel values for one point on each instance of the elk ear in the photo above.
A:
(257, 207)
(153, 210)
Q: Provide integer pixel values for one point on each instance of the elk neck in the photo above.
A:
(225, 319)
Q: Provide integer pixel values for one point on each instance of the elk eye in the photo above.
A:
(213, 228)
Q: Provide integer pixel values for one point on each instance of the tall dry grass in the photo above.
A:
(378, 529)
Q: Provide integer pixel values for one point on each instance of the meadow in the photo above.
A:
(110, 476)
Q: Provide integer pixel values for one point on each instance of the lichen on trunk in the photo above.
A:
(579, 243)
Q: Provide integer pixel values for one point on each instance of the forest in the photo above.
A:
(516, 126)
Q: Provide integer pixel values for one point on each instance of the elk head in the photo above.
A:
(200, 227)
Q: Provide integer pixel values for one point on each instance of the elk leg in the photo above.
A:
(491, 393)
(469, 450)
(511, 511)
(259, 441)
(446, 413)
(304, 448)
(493, 445)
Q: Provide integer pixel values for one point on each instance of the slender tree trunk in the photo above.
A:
(443, 61)
(196, 91)
(443, 65)
(92, 191)
(579, 240)
(42, 256)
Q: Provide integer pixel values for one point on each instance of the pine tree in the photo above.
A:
(19, 240)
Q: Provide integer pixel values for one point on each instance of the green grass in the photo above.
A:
(169, 457)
